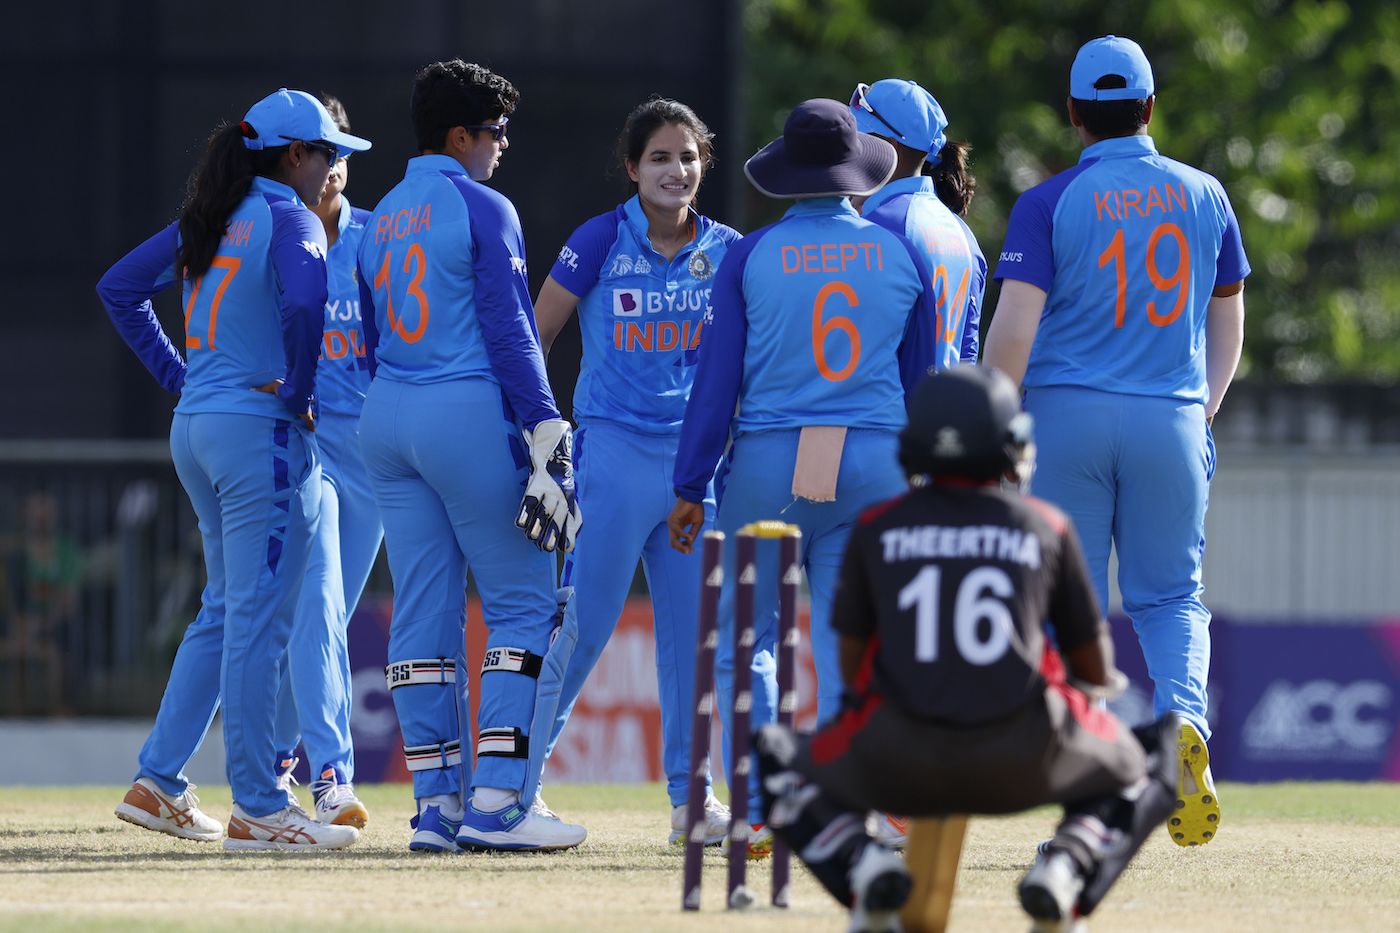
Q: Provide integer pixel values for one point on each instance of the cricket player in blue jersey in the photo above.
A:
(314, 704)
(456, 362)
(251, 261)
(640, 276)
(1122, 314)
(926, 201)
(821, 323)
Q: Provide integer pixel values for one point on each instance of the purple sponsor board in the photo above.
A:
(1291, 701)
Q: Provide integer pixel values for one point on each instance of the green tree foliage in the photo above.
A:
(1293, 104)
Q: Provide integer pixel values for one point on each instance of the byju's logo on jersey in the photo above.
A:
(1321, 720)
(627, 302)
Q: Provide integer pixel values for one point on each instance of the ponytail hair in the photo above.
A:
(216, 187)
(952, 179)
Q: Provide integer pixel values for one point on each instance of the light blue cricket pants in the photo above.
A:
(758, 486)
(1135, 471)
(255, 484)
(449, 470)
(313, 705)
(625, 492)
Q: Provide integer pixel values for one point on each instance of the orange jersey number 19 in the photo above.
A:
(1179, 280)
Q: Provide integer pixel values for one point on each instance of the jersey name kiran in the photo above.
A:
(1123, 205)
(979, 542)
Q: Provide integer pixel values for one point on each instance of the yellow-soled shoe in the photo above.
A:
(760, 842)
(1197, 817)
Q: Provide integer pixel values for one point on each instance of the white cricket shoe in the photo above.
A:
(888, 830)
(1050, 890)
(336, 802)
(290, 828)
(516, 828)
(147, 806)
(716, 822)
(880, 884)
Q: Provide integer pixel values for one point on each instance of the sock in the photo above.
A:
(449, 805)
(491, 799)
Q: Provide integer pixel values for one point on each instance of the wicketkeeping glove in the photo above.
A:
(549, 512)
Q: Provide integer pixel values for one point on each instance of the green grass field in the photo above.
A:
(1301, 857)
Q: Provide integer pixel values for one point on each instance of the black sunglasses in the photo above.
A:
(497, 130)
(332, 153)
(858, 100)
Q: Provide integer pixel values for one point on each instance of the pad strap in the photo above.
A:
(512, 661)
(502, 742)
(422, 671)
(432, 757)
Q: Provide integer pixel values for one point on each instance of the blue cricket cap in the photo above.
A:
(285, 116)
(902, 111)
(1110, 55)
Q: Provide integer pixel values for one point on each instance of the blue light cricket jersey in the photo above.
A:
(255, 316)
(641, 316)
(1128, 246)
(823, 318)
(443, 288)
(911, 206)
(342, 375)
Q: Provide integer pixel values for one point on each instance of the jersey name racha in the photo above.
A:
(984, 542)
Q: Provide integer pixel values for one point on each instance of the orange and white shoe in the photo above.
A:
(336, 802)
(760, 841)
(889, 830)
(147, 806)
(290, 828)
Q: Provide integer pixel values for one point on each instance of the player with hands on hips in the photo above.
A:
(315, 700)
(640, 276)
(457, 376)
(926, 201)
(1122, 315)
(954, 702)
(821, 323)
(250, 259)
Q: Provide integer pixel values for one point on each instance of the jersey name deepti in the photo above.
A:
(831, 257)
(983, 542)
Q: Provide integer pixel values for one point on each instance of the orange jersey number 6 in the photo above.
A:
(822, 329)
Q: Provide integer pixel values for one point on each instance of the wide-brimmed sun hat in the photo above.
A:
(821, 153)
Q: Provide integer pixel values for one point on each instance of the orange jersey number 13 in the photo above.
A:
(415, 262)
(230, 266)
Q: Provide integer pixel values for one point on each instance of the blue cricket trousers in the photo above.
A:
(449, 469)
(314, 702)
(255, 484)
(1134, 471)
(758, 486)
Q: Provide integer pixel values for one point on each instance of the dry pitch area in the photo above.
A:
(1289, 857)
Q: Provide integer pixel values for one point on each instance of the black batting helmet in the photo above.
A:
(966, 421)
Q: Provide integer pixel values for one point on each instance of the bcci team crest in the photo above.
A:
(700, 267)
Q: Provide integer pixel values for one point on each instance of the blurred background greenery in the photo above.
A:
(1292, 105)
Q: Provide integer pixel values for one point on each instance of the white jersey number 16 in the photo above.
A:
(976, 600)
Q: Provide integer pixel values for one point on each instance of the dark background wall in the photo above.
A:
(109, 104)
